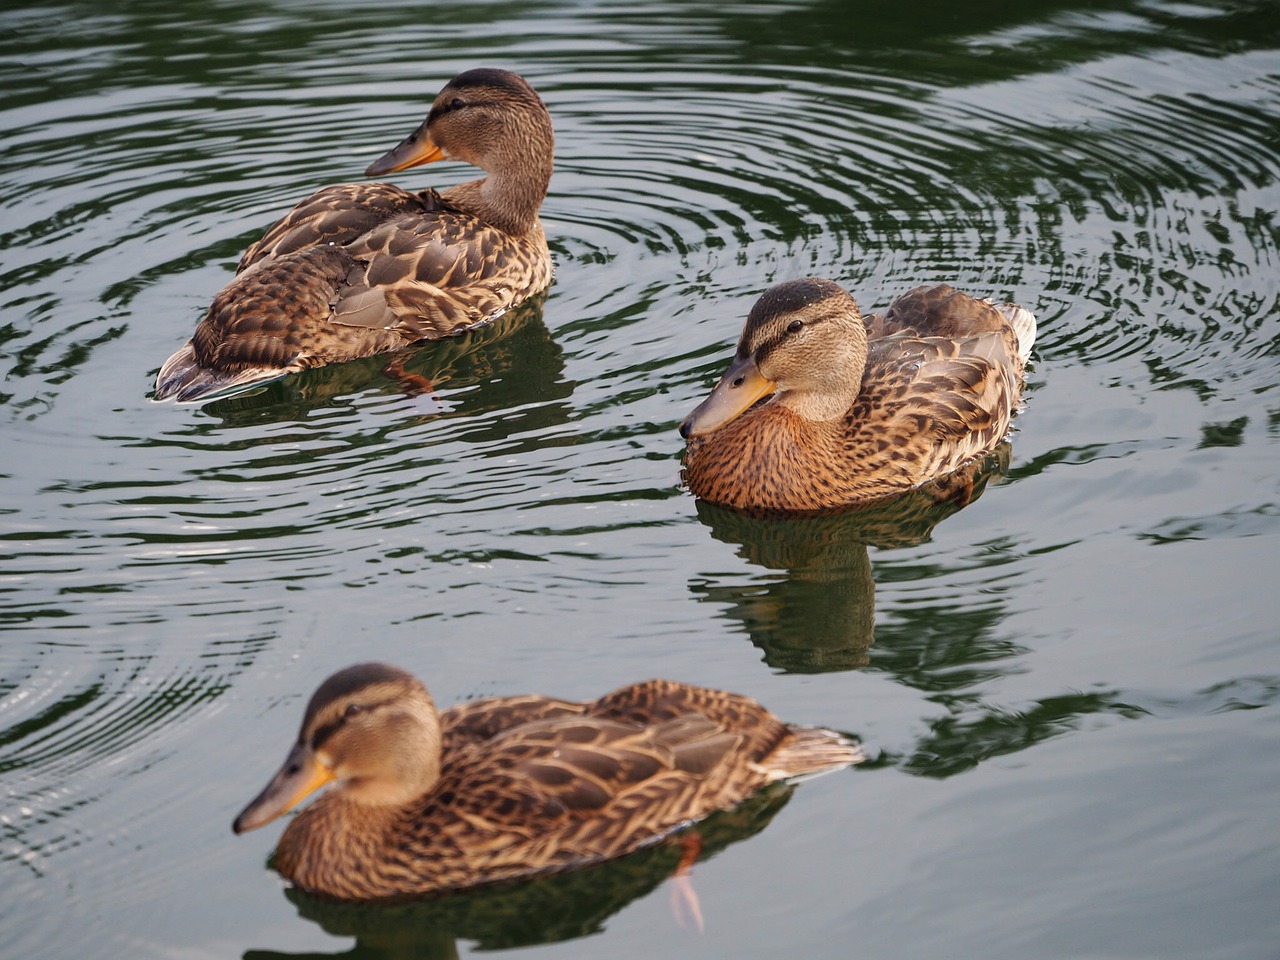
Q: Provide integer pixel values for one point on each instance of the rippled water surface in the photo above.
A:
(1069, 689)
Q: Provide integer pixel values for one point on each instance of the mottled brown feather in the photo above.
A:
(521, 786)
(361, 269)
(934, 388)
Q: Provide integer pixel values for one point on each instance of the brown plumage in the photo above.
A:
(511, 788)
(861, 410)
(360, 269)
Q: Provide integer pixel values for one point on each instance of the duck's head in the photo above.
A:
(804, 342)
(372, 729)
(486, 117)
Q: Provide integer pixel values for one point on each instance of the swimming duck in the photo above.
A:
(859, 410)
(510, 788)
(360, 269)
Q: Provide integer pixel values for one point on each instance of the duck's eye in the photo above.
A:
(795, 326)
(456, 103)
(352, 710)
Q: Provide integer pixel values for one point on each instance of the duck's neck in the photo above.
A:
(336, 848)
(508, 200)
(767, 460)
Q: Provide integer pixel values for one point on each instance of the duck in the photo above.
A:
(506, 789)
(356, 270)
(823, 410)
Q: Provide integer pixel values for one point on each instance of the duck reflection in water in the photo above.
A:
(819, 614)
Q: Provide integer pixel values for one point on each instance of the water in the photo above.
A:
(1069, 688)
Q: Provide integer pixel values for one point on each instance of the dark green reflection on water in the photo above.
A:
(962, 43)
(819, 616)
(976, 732)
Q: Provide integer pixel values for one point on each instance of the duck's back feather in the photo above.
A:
(338, 214)
(941, 310)
(431, 275)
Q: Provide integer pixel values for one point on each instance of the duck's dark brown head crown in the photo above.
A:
(474, 88)
(785, 307)
(490, 77)
(793, 296)
(350, 680)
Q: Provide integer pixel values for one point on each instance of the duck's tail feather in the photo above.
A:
(1023, 322)
(810, 751)
(183, 380)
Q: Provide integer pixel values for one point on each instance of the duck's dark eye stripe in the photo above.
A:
(766, 349)
(327, 730)
(324, 732)
(778, 339)
(457, 103)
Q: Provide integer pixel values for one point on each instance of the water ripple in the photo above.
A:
(1115, 170)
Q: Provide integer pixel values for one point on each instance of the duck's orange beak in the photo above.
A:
(740, 387)
(301, 775)
(414, 150)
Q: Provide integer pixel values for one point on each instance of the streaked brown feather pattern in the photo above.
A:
(339, 214)
(525, 785)
(360, 269)
(855, 420)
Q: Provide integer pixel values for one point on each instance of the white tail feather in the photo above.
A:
(1023, 322)
(811, 751)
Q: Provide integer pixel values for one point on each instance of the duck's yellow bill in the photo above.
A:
(740, 387)
(300, 776)
(414, 150)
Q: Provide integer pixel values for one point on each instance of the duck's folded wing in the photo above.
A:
(480, 720)
(338, 215)
(589, 764)
(938, 310)
(584, 789)
(946, 400)
(656, 701)
(433, 275)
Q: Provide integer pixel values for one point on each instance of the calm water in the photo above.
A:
(1070, 687)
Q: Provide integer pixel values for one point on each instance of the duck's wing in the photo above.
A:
(480, 720)
(430, 275)
(657, 701)
(937, 401)
(943, 311)
(769, 749)
(337, 215)
(589, 789)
